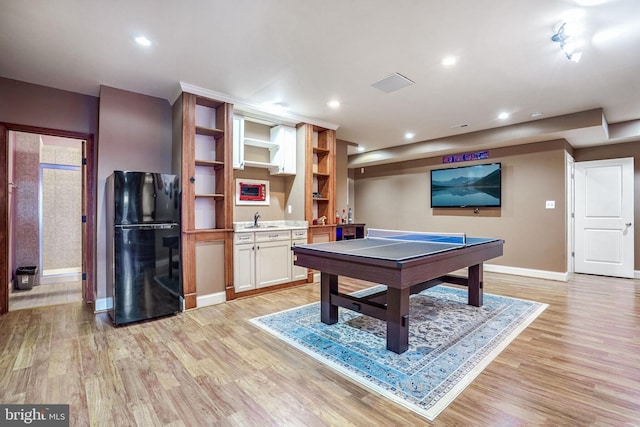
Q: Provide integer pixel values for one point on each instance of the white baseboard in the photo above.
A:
(636, 274)
(211, 299)
(103, 304)
(60, 278)
(516, 271)
(529, 272)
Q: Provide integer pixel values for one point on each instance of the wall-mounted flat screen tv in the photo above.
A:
(467, 186)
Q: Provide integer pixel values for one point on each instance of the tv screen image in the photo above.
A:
(466, 186)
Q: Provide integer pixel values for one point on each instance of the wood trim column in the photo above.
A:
(189, 270)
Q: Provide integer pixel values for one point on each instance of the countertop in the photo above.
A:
(247, 226)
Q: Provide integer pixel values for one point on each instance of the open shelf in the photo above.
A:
(320, 180)
(260, 143)
(263, 165)
(216, 133)
(215, 196)
(211, 163)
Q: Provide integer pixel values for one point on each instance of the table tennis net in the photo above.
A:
(419, 236)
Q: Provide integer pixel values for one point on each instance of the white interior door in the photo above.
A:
(604, 215)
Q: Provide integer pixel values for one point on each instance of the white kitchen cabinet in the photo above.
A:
(273, 257)
(298, 237)
(279, 147)
(264, 258)
(285, 156)
(238, 142)
(244, 262)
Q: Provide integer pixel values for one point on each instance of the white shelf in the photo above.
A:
(260, 143)
(263, 165)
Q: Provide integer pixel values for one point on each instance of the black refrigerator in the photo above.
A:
(143, 245)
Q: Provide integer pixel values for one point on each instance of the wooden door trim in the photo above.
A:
(89, 196)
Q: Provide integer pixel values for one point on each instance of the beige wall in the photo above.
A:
(61, 225)
(27, 229)
(615, 151)
(33, 105)
(135, 134)
(397, 196)
(342, 178)
(61, 204)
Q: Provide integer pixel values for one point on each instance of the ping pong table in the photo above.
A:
(406, 262)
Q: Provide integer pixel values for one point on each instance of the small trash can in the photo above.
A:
(25, 277)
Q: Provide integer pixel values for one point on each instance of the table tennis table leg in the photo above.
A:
(474, 285)
(328, 286)
(398, 319)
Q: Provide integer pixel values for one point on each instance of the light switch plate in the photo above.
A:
(551, 204)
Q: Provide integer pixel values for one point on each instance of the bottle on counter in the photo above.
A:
(344, 216)
(337, 217)
(350, 217)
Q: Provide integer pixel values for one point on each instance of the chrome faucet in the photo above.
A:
(256, 217)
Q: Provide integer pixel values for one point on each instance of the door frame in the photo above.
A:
(570, 164)
(89, 208)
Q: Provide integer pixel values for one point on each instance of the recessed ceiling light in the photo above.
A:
(409, 135)
(143, 41)
(503, 116)
(448, 61)
(334, 104)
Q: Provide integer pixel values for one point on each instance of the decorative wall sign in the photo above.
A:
(465, 157)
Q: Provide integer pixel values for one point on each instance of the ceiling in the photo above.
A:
(303, 54)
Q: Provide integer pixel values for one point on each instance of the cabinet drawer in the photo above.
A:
(269, 236)
(298, 234)
(239, 238)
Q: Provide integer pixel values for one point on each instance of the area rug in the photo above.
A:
(450, 343)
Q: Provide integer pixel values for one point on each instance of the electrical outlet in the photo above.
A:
(551, 204)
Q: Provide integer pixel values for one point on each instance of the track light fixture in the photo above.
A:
(568, 47)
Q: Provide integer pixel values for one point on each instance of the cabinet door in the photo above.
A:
(238, 142)
(297, 272)
(285, 155)
(273, 263)
(244, 270)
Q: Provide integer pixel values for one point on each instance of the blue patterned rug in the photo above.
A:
(450, 343)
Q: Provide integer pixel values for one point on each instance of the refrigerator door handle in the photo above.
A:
(149, 227)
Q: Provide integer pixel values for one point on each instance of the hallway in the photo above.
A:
(45, 295)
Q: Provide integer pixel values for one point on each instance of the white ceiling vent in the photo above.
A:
(393, 83)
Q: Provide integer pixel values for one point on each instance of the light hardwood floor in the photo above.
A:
(578, 364)
(44, 295)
